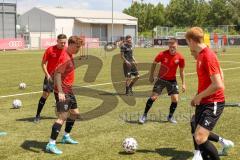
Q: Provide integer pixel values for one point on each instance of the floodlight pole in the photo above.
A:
(112, 23)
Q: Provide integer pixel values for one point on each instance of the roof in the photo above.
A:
(106, 21)
(82, 13)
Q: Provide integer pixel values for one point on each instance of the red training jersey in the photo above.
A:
(66, 68)
(51, 56)
(208, 65)
(169, 64)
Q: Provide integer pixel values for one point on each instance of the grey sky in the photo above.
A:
(119, 5)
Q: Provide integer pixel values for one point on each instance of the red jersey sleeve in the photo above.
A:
(181, 62)
(46, 55)
(212, 65)
(158, 58)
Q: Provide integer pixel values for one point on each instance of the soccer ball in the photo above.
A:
(17, 104)
(22, 85)
(129, 145)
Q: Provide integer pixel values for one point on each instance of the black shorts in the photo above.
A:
(70, 103)
(47, 85)
(130, 70)
(170, 85)
(207, 115)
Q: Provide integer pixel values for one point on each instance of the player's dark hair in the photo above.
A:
(61, 36)
(73, 39)
(128, 36)
(172, 40)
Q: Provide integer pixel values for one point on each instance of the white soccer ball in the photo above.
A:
(17, 103)
(22, 85)
(129, 145)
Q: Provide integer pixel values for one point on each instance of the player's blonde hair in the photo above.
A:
(196, 34)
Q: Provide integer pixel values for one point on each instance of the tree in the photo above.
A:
(220, 13)
(149, 16)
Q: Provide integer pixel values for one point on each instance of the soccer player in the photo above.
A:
(215, 41)
(49, 62)
(224, 43)
(209, 101)
(67, 110)
(129, 64)
(170, 60)
(225, 143)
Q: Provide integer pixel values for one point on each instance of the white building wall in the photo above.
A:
(65, 26)
(36, 36)
(117, 31)
(82, 29)
(37, 20)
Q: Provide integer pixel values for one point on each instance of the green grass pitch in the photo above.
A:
(100, 138)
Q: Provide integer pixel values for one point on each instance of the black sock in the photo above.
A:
(131, 84)
(173, 107)
(55, 130)
(127, 89)
(40, 106)
(69, 125)
(213, 137)
(209, 149)
(193, 127)
(148, 105)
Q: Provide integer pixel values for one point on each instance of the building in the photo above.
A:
(45, 22)
(8, 20)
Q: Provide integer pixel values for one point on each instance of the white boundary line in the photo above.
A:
(101, 84)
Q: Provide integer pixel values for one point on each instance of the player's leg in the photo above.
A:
(157, 90)
(56, 128)
(135, 73)
(172, 89)
(41, 104)
(225, 143)
(172, 108)
(148, 106)
(47, 89)
(62, 114)
(197, 153)
(73, 115)
(127, 74)
(205, 146)
(207, 119)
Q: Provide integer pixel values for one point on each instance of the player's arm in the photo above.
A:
(58, 82)
(44, 65)
(216, 84)
(124, 59)
(153, 67)
(44, 68)
(182, 76)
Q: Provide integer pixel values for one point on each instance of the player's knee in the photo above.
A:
(74, 114)
(154, 98)
(174, 99)
(45, 94)
(60, 121)
(62, 116)
(200, 138)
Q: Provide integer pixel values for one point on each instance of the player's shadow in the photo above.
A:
(34, 146)
(31, 119)
(165, 152)
(174, 154)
